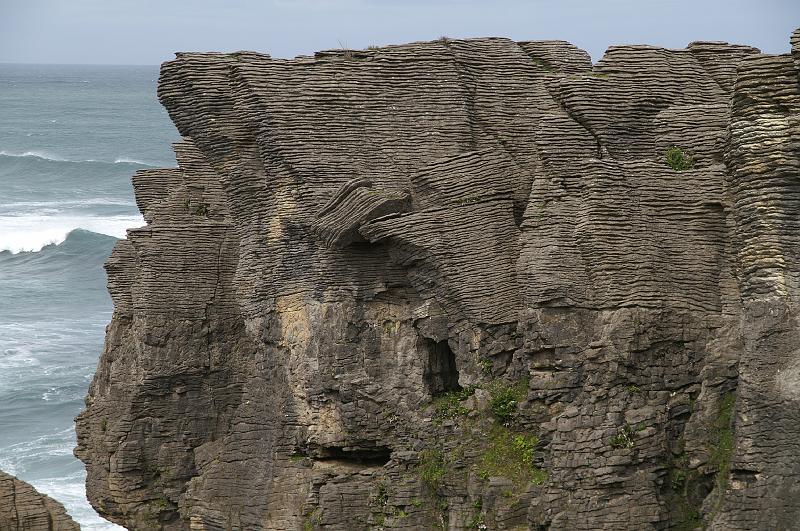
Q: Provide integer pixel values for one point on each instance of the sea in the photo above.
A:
(70, 139)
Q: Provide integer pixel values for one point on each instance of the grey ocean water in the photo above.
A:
(70, 139)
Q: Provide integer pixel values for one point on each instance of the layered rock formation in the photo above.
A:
(22, 508)
(456, 284)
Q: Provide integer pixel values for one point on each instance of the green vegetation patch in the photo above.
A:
(477, 520)
(432, 467)
(678, 160)
(510, 454)
(623, 438)
(722, 449)
(449, 406)
(504, 397)
(683, 507)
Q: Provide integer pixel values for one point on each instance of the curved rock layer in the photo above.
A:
(457, 284)
(22, 508)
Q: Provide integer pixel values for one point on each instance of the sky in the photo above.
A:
(150, 31)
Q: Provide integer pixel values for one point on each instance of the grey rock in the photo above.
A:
(355, 242)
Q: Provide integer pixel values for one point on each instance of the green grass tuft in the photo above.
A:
(504, 398)
(678, 160)
(449, 406)
(623, 438)
(510, 454)
(722, 449)
(432, 468)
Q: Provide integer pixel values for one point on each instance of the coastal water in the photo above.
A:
(70, 139)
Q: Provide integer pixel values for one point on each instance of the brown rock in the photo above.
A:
(22, 508)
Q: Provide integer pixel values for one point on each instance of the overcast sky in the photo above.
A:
(149, 31)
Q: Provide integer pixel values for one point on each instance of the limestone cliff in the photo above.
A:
(460, 284)
(22, 508)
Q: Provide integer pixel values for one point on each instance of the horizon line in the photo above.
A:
(19, 63)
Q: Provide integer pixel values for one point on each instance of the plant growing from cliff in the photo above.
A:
(678, 160)
(477, 521)
(382, 496)
(347, 53)
(623, 438)
(432, 468)
(681, 501)
(722, 449)
(399, 512)
(313, 519)
(504, 397)
(510, 454)
(449, 406)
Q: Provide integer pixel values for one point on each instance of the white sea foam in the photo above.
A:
(38, 154)
(69, 203)
(22, 459)
(126, 160)
(16, 357)
(15, 459)
(45, 155)
(70, 491)
(32, 232)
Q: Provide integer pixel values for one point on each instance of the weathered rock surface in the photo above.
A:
(22, 508)
(456, 284)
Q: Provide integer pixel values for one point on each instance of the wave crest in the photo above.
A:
(33, 233)
(44, 155)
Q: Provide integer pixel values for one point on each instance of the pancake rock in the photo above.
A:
(22, 508)
(460, 284)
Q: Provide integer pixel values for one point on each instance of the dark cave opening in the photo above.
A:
(373, 456)
(441, 374)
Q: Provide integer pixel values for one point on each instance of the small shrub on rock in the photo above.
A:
(678, 160)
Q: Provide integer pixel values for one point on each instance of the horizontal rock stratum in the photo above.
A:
(460, 284)
(22, 508)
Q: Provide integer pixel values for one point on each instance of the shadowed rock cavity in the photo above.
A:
(460, 283)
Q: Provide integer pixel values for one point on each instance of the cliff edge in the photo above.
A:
(460, 284)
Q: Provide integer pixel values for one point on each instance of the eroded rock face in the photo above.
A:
(456, 283)
(22, 508)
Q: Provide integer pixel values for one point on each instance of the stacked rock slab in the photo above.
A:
(22, 508)
(456, 284)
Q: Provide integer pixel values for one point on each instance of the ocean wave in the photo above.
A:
(126, 160)
(36, 460)
(70, 490)
(32, 233)
(44, 155)
(37, 154)
(16, 458)
(61, 204)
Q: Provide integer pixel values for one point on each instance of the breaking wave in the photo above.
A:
(44, 155)
(31, 233)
